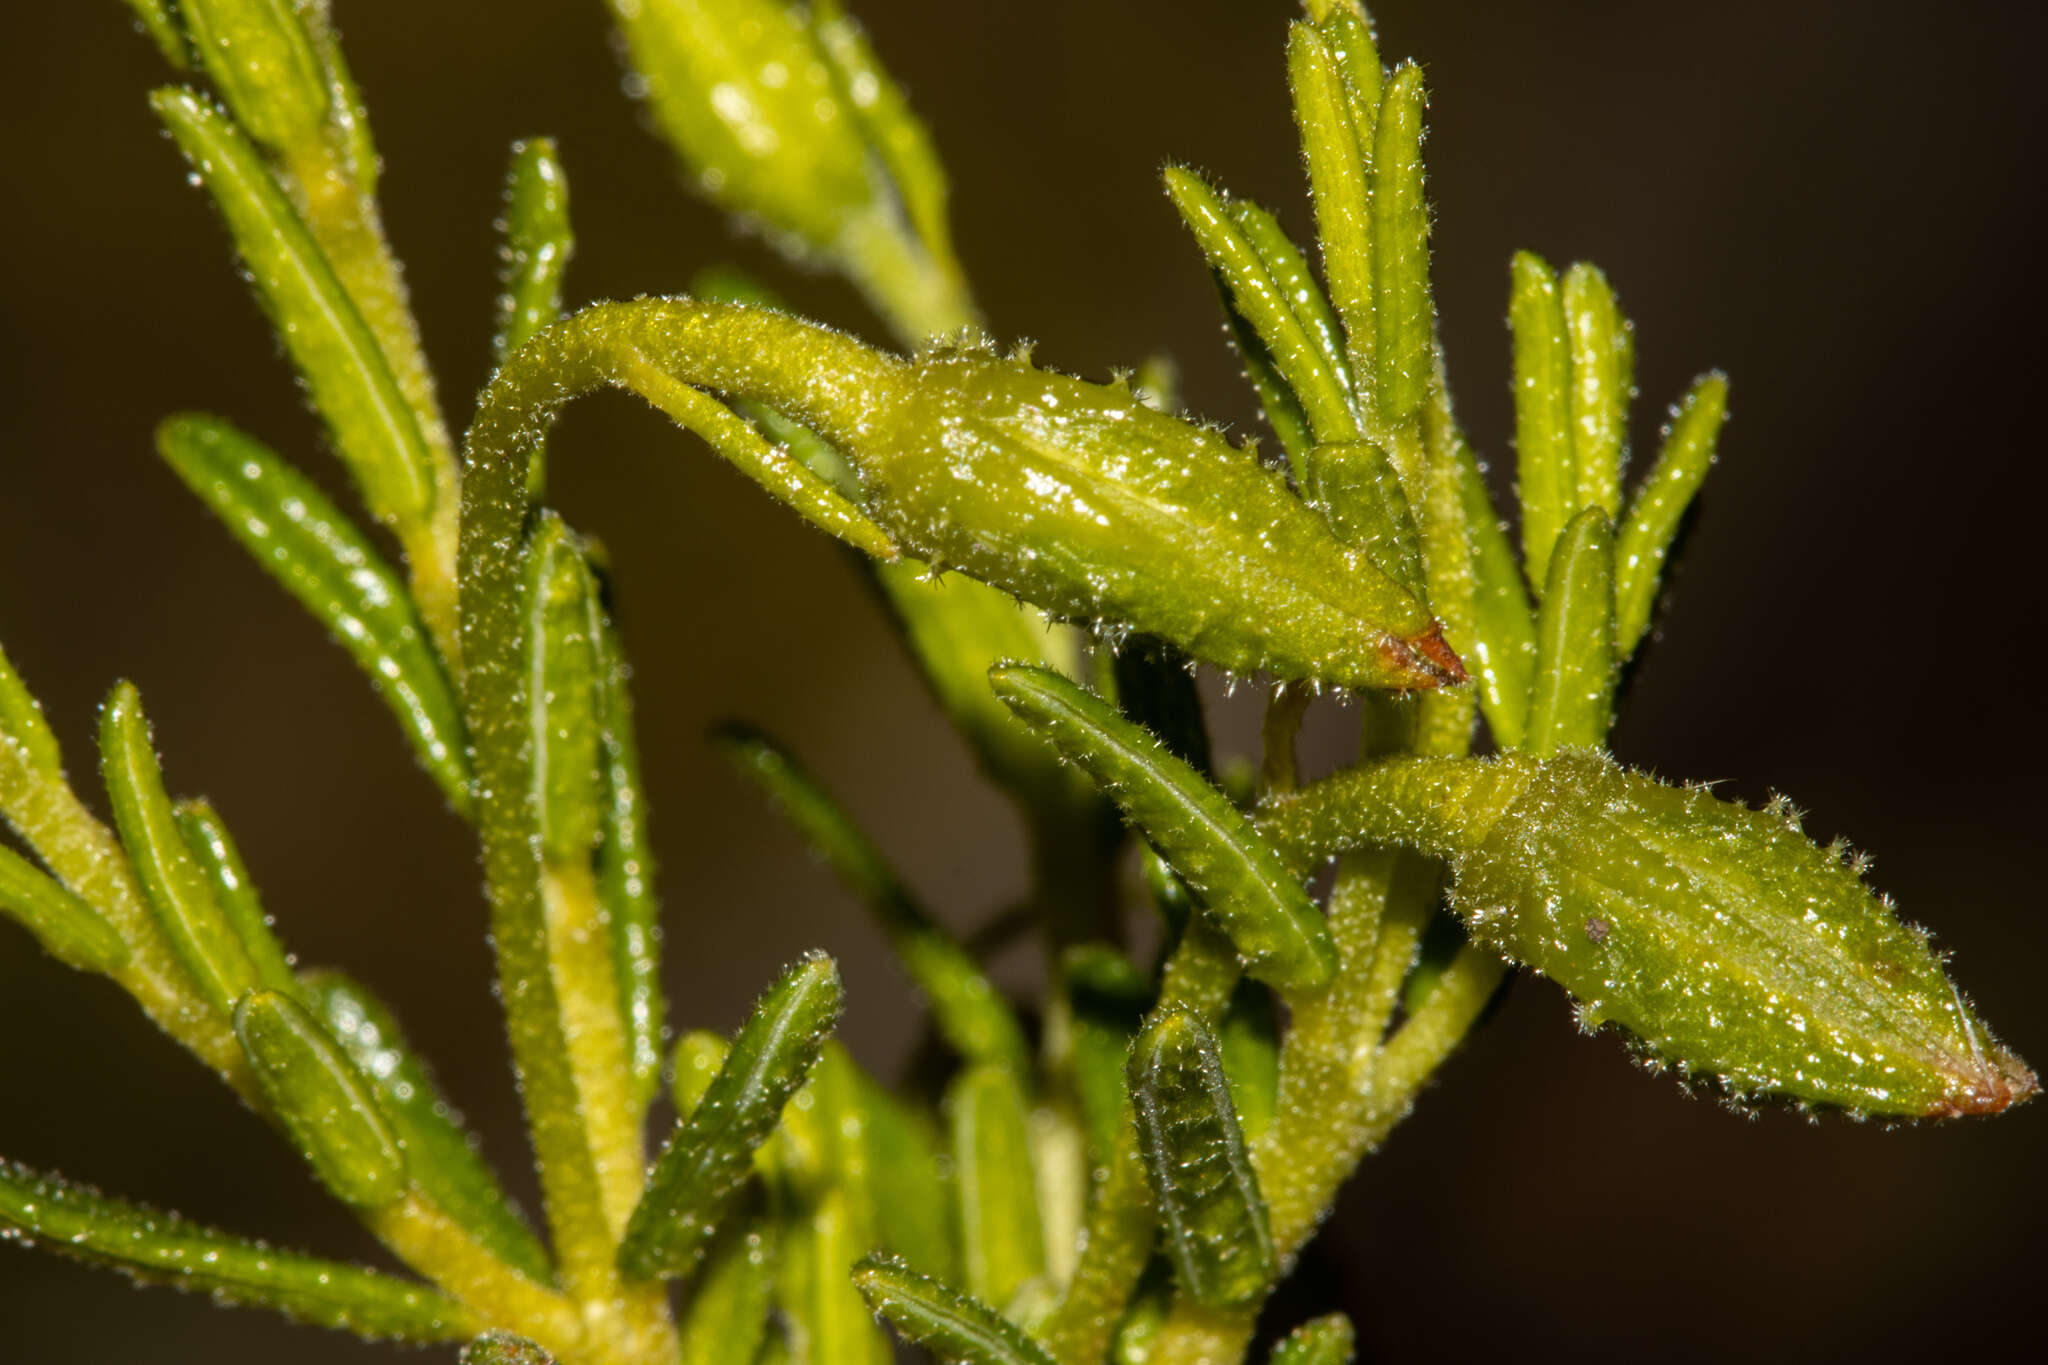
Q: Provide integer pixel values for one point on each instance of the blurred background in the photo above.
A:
(1827, 200)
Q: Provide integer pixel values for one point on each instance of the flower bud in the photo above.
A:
(1725, 941)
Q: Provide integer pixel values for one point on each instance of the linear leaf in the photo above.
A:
(911, 1187)
(566, 733)
(537, 246)
(1326, 1340)
(969, 1011)
(320, 557)
(202, 935)
(259, 56)
(21, 719)
(1337, 149)
(1248, 1042)
(625, 869)
(440, 1152)
(1403, 318)
(1241, 880)
(1107, 998)
(351, 382)
(699, 1055)
(162, 1248)
(324, 1101)
(953, 1326)
(1573, 703)
(727, 1317)
(1603, 382)
(1644, 540)
(213, 848)
(1502, 659)
(1002, 1245)
(895, 133)
(1546, 472)
(157, 20)
(1210, 1209)
(1297, 282)
(707, 1159)
(1360, 494)
(67, 927)
(1263, 302)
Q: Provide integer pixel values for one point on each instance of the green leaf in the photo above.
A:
(1263, 301)
(161, 24)
(1603, 382)
(970, 1013)
(563, 633)
(1646, 535)
(261, 59)
(1502, 656)
(1359, 492)
(727, 1317)
(1546, 469)
(346, 373)
(704, 1165)
(1573, 701)
(441, 1154)
(953, 1326)
(911, 1186)
(1248, 1041)
(537, 246)
(21, 720)
(69, 929)
(503, 1348)
(204, 938)
(1001, 1242)
(1210, 1208)
(822, 1311)
(1404, 320)
(324, 1101)
(1240, 880)
(1107, 997)
(1297, 282)
(625, 869)
(1326, 1340)
(1336, 144)
(1729, 945)
(159, 1248)
(319, 556)
(895, 133)
(213, 848)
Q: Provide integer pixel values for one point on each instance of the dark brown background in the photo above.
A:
(1829, 203)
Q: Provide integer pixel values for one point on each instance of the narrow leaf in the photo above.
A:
(1573, 701)
(318, 556)
(625, 869)
(259, 56)
(1321, 1341)
(207, 839)
(1277, 403)
(895, 133)
(21, 720)
(1001, 1243)
(1547, 476)
(156, 19)
(1107, 998)
(346, 373)
(160, 1248)
(970, 1013)
(1263, 301)
(955, 1327)
(1645, 537)
(324, 1101)
(1248, 1041)
(503, 1348)
(702, 1169)
(1603, 382)
(441, 1154)
(537, 245)
(699, 1055)
(1336, 149)
(727, 1317)
(828, 1324)
(1403, 318)
(1210, 1208)
(562, 634)
(1239, 878)
(1291, 271)
(69, 929)
(1502, 656)
(911, 1186)
(1360, 494)
(202, 935)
